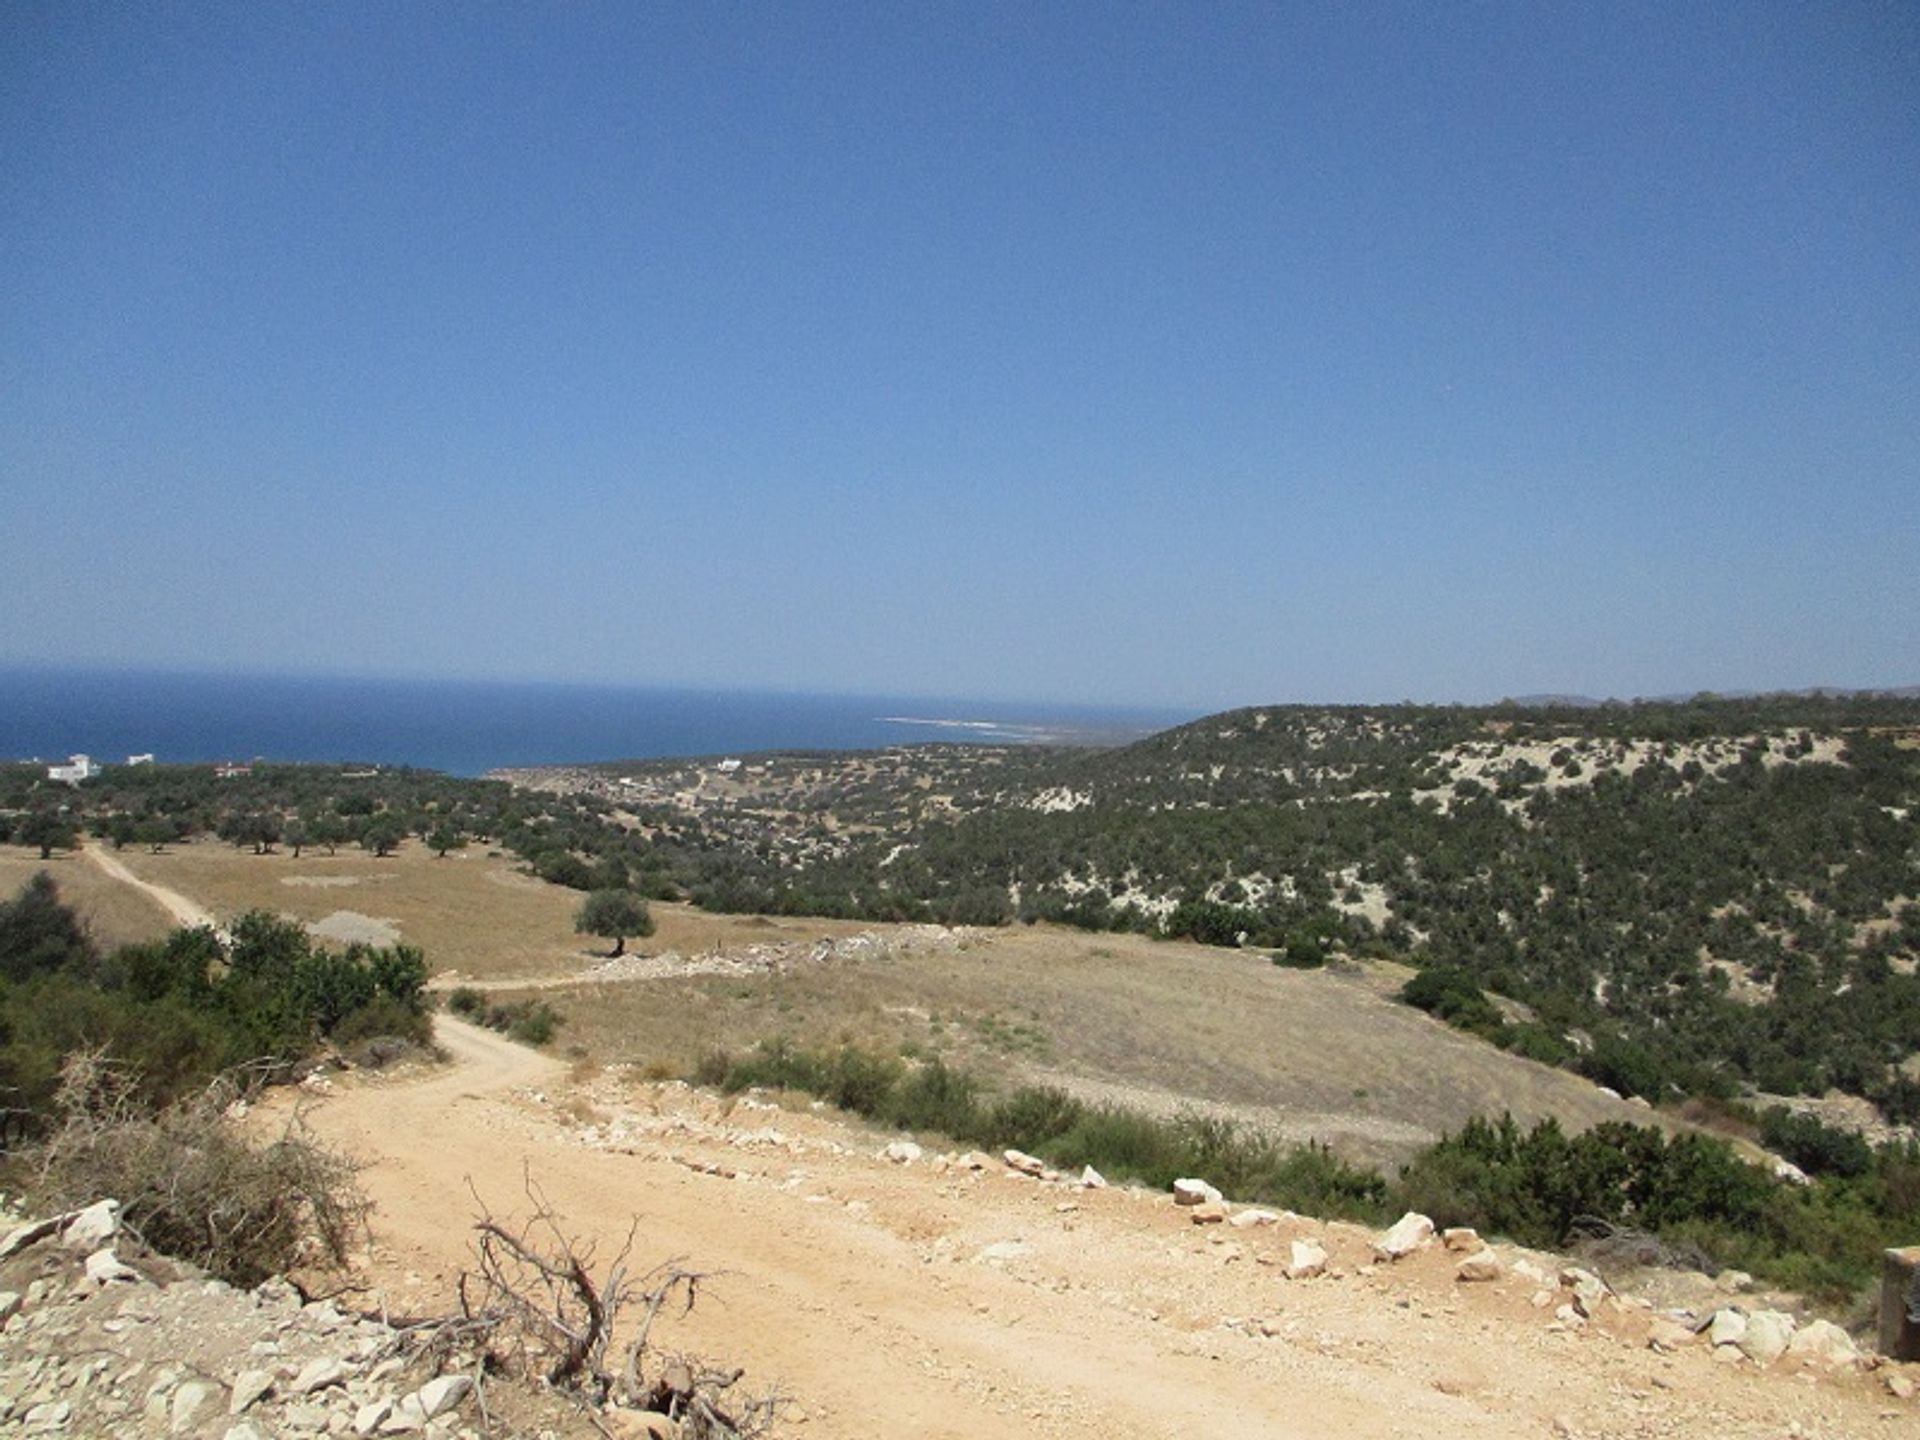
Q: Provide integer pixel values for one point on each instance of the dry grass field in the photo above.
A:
(1325, 1055)
(116, 914)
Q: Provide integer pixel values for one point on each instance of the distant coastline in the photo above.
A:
(471, 727)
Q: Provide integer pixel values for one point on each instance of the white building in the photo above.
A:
(77, 768)
(140, 759)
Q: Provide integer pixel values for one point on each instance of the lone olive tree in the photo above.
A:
(613, 915)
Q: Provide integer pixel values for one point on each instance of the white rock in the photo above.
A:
(1728, 1327)
(318, 1375)
(367, 1418)
(439, 1396)
(243, 1431)
(9, 1305)
(1092, 1179)
(1483, 1264)
(1666, 1333)
(1460, 1237)
(103, 1267)
(1768, 1332)
(249, 1387)
(1824, 1341)
(1195, 1192)
(1789, 1172)
(405, 1417)
(1026, 1164)
(92, 1227)
(1254, 1217)
(902, 1152)
(189, 1401)
(1409, 1233)
(1306, 1259)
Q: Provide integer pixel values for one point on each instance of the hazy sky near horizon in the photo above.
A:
(1169, 354)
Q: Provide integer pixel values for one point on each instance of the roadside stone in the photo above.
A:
(1210, 1212)
(1305, 1260)
(902, 1152)
(243, 1431)
(1246, 1218)
(1734, 1282)
(1092, 1179)
(1024, 1163)
(1664, 1333)
(318, 1375)
(9, 1305)
(49, 1415)
(104, 1267)
(439, 1396)
(404, 1418)
(1767, 1335)
(1727, 1327)
(1460, 1237)
(1824, 1342)
(92, 1227)
(1480, 1266)
(367, 1418)
(1408, 1234)
(249, 1387)
(189, 1403)
(1902, 1387)
(1195, 1192)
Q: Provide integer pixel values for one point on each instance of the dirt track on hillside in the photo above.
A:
(898, 1300)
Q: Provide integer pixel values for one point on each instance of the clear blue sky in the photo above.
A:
(1182, 354)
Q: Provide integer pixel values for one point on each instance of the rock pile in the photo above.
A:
(101, 1337)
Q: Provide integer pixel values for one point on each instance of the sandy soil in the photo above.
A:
(903, 1300)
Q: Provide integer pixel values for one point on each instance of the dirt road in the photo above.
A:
(893, 1299)
(184, 911)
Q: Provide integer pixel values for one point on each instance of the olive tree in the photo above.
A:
(613, 915)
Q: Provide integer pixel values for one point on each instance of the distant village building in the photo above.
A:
(727, 767)
(140, 759)
(229, 770)
(77, 768)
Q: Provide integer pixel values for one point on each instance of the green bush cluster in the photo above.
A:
(1066, 1131)
(531, 1022)
(180, 1010)
(1538, 1186)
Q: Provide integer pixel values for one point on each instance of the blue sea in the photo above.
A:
(470, 727)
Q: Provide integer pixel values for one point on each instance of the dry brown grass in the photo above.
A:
(114, 914)
(1319, 1054)
(471, 913)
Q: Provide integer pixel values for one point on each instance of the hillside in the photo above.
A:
(1698, 896)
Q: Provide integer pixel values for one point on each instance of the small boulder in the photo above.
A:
(1768, 1332)
(1092, 1179)
(1901, 1387)
(319, 1375)
(1195, 1192)
(1248, 1218)
(439, 1396)
(640, 1425)
(1824, 1342)
(1305, 1260)
(1024, 1163)
(190, 1402)
(92, 1227)
(1483, 1264)
(1210, 1212)
(1460, 1237)
(249, 1387)
(902, 1152)
(104, 1267)
(367, 1418)
(1664, 1333)
(1409, 1233)
(1727, 1327)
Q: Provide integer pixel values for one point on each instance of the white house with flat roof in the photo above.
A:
(77, 768)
